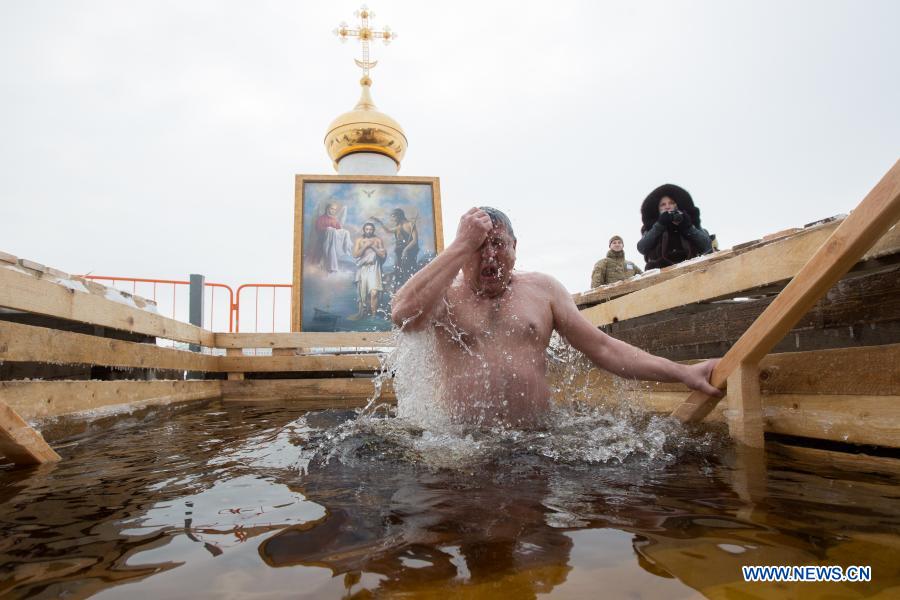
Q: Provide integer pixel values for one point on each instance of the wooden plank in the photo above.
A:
(331, 389)
(306, 339)
(833, 372)
(855, 463)
(860, 310)
(40, 399)
(874, 216)
(27, 293)
(745, 407)
(620, 288)
(27, 343)
(867, 420)
(820, 372)
(315, 362)
(19, 442)
(871, 420)
(234, 374)
(770, 264)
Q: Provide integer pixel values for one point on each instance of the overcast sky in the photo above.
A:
(156, 139)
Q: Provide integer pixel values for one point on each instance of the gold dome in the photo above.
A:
(365, 129)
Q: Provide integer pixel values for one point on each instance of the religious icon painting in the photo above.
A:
(357, 240)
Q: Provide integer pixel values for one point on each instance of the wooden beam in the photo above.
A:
(39, 399)
(305, 339)
(24, 292)
(833, 372)
(860, 310)
(822, 372)
(874, 216)
(852, 419)
(315, 362)
(27, 343)
(325, 390)
(745, 407)
(234, 374)
(621, 288)
(871, 420)
(855, 463)
(770, 264)
(19, 442)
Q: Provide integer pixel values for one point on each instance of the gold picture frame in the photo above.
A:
(343, 277)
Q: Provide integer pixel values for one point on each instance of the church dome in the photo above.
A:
(365, 129)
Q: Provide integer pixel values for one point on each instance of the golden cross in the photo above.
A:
(365, 33)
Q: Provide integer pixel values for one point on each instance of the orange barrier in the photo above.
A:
(134, 281)
(274, 287)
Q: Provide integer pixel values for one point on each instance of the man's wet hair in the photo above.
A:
(498, 217)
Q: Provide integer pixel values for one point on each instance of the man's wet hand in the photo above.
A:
(474, 227)
(697, 378)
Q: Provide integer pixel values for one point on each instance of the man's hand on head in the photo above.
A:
(474, 227)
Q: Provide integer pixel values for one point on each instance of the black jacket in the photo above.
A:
(664, 245)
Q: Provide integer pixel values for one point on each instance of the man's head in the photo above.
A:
(398, 216)
(616, 244)
(368, 230)
(332, 209)
(490, 268)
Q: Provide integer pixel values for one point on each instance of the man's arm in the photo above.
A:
(618, 357)
(416, 301)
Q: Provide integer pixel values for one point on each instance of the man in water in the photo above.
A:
(493, 326)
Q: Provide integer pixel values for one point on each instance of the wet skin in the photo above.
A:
(493, 326)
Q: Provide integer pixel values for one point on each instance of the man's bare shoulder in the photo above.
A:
(537, 280)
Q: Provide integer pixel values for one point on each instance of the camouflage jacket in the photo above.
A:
(613, 268)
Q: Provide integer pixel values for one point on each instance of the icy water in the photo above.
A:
(263, 501)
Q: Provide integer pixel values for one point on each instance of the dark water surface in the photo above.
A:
(265, 501)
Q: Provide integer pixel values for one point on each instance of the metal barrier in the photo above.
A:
(279, 322)
(176, 305)
(179, 305)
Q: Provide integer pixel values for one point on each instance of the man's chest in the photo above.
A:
(505, 319)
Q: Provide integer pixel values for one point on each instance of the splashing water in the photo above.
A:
(421, 430)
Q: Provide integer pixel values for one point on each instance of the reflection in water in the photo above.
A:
(269, 502)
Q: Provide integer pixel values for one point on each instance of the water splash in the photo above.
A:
(421, 430)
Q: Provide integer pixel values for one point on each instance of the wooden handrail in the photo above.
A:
(875, 215)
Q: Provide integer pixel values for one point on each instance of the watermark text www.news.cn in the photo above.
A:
(806, 573)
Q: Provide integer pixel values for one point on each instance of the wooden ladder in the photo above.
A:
(739, 368)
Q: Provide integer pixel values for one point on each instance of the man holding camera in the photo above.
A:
(671, 231)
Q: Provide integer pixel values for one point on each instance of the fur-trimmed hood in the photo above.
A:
(650, 206)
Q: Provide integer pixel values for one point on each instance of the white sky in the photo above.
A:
(156, 139)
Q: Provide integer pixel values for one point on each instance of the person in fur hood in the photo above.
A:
(671, 231)
(614, 267)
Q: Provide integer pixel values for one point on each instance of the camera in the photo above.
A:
(677, 217)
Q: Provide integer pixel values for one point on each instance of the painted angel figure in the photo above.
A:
(333, 242)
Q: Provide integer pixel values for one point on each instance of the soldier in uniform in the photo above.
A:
(614, 267)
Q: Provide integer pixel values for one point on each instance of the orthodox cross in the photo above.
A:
(365, 33)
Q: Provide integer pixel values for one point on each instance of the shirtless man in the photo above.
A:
(369, 253)
(493, 326)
